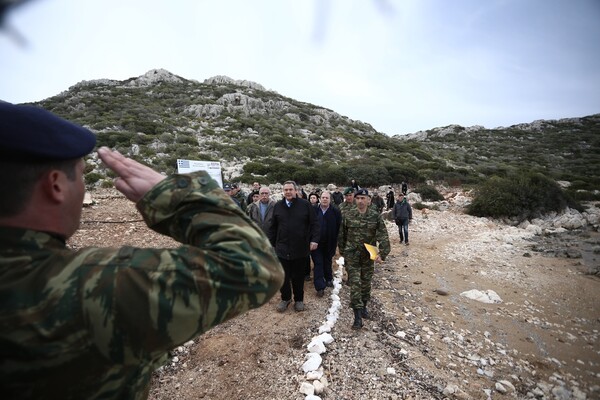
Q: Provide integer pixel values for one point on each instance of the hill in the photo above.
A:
(259, 134)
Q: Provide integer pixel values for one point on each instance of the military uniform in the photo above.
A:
(241, 199)
(345, 206)
(356, 230)
(96, 322)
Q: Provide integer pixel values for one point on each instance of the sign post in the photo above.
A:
(212, 167)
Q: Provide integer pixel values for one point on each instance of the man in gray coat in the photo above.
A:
(261, 212)
(402, 215)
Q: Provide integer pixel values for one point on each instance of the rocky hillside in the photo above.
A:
(259, 134)
(566, 149)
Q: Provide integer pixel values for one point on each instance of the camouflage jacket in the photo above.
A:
(345, 206)
(358, 229)
(241, 199)
(95, 323)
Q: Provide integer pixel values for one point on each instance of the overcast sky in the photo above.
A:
(399, 65)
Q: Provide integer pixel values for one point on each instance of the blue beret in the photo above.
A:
(34, 133)
(362, 192)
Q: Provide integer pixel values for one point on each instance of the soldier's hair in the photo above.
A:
(17, 180)
(291, 183)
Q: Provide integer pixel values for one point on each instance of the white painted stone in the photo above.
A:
(316, 346)
(319, 387)
(306, 388)
(312, 363)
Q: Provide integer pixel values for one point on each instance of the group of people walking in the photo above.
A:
(309, 227)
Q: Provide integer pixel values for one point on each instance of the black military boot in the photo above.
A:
(357, 319)
(364, 312)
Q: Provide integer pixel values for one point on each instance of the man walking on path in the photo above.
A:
(262, 210)
(330, 219)
(348, 200)
(294, 233)
(362, 225)
(402, 215)
(389, 197)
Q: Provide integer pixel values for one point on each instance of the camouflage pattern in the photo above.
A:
(241, 198)
(356, 230)
(96, 322)
(345, 206)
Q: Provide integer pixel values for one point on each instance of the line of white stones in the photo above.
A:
(316, 382)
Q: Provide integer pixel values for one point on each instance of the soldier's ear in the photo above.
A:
(54, 185)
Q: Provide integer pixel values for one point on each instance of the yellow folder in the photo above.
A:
(373, 251)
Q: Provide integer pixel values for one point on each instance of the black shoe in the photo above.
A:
(358, 324)
(307, 278)
(329, 283)
(320, 293)
(365, 313)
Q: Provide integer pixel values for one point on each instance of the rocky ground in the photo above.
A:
(425, 340)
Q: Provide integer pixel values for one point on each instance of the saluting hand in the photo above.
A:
(134, 179)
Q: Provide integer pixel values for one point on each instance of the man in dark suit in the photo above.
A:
(330, 219)
(294, 232)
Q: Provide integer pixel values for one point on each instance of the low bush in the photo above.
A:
(92, 178)
(523, 196)
(429, 193)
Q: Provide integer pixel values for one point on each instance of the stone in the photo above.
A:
(312, 363)
(508, 385)
(306, 388)
(450, 389)
(312, 375)
(316, 347)
(486, 296)
(318, 386)
(325, 338)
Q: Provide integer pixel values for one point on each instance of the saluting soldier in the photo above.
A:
(96, 322)
(361, 225)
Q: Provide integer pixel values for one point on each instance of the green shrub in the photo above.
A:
(429, 193)
(399, 173)
(583, 195)
(419, 206)
(92, 178)
(330, 173)
(523, 196)
(368, 175)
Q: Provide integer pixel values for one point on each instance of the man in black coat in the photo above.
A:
(294, 232)
(330, 219)
(390, 199)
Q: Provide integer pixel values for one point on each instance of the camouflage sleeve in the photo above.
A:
(383, 238)
(138, 303)
(343, 235)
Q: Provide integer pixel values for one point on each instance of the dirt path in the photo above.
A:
(425, 340)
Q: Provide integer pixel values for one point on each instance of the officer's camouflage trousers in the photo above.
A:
(360, 272)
